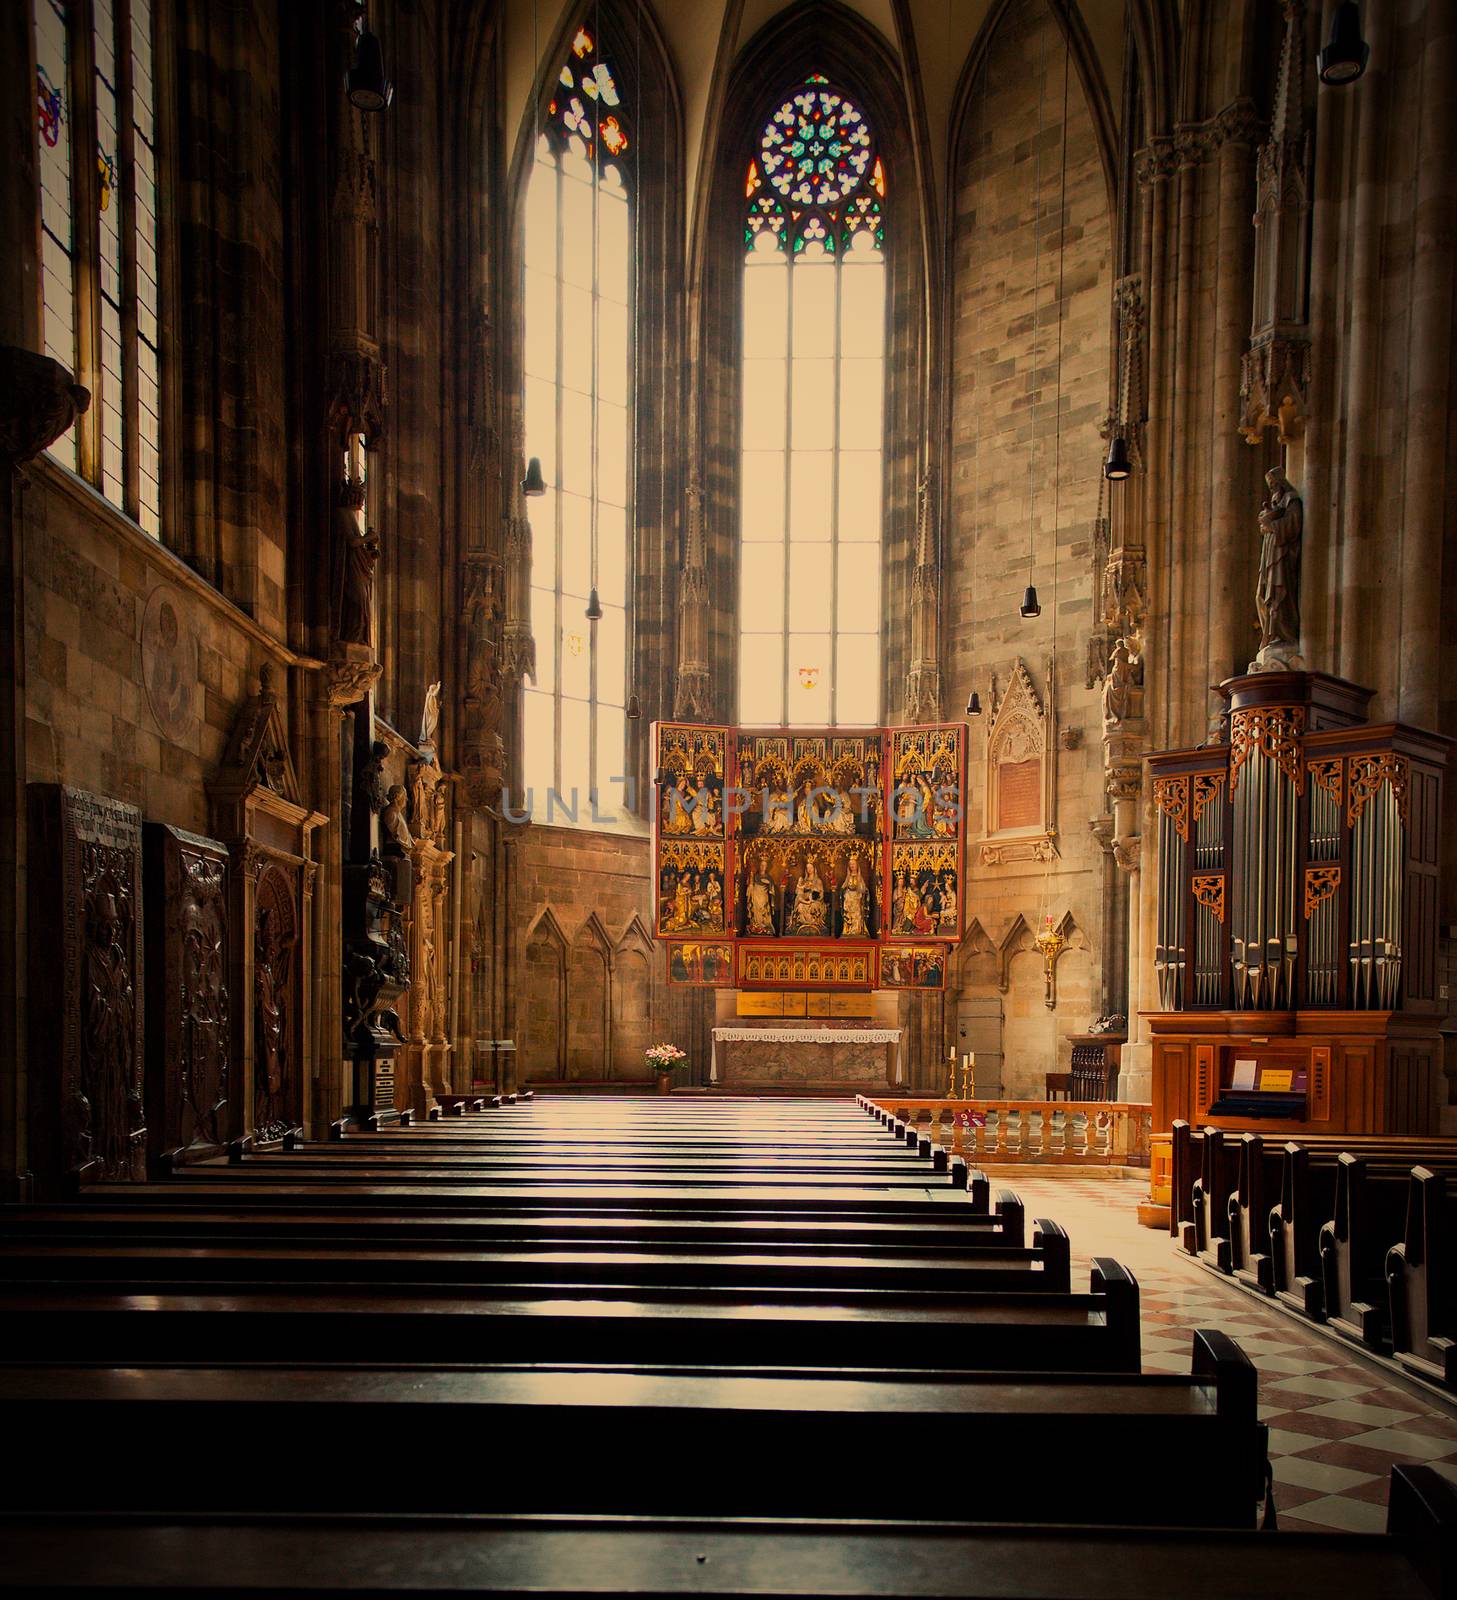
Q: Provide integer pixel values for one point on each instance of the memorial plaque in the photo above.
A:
(85, 975)
(189, 1020)
(1019, 794)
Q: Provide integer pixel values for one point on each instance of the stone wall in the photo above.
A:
(1031, 266)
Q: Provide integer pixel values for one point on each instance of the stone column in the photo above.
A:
(38, 402)
(693, 693)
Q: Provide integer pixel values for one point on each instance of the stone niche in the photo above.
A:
(259, 815)
(189, 997)
(85, 977)
(1019, 775)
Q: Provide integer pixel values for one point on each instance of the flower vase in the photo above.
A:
(665, 1083)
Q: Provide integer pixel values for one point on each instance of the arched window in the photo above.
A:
(812, 431)
(578, 256)
(99, 238)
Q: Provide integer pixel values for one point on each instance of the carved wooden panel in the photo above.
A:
(1318, 1086)
(85, 960)
(189, 1004)
(277, 1001)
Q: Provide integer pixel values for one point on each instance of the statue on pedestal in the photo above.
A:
(1277, 595)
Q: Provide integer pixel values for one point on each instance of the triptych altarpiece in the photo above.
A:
(810, 858)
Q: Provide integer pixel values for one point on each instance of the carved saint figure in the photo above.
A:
(392, 819)
(356, 597)
(269, 986)
(948, 904)
(808, 914)
(854, 907)
(107, 1064)
(1117, 686)
(373, 789)
(430, 718)
(778, 811)
(761, 904)
(1277, 598)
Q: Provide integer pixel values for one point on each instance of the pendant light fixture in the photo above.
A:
(1344, 57)
(369, 88)
(1030, 607)
(973, 704)
(1117, 467)
(594, 606)
(533, 484)
(634, 707)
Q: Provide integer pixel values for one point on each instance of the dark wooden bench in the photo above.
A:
(1369, 1217)
(168, 1555)
(583, 1441)
(1093, 1332)
(1421, 1275)
(147, 1216)
(992, 1269)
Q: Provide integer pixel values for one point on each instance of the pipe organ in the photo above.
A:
(1295, 937)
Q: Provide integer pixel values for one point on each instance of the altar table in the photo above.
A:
(782, 1059)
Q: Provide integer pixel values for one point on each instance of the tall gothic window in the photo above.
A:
(578, 254)
(99, 238)
(812, 431)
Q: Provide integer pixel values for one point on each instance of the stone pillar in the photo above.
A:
(693, 694)
(38, 402)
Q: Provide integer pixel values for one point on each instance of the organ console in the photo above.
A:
(1296, 933)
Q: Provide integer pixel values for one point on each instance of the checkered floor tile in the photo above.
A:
(1337, 1422)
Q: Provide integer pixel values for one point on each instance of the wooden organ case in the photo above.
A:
(1296, 934)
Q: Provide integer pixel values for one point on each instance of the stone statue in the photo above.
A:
(1118, 685)
(1277, 597)
(430, 720)
(397, 830)
(373, 789)
(356, 598)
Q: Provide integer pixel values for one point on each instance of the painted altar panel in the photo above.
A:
(708, 964)
(828, 836)
(805, 966)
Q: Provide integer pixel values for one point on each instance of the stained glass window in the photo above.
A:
(578, 363)
(813, 379)
(112, 112)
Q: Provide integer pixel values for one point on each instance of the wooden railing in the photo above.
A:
(1077, 1132)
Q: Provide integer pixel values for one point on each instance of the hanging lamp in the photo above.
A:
(369, 88)
(1345, 54)
(1117, 467)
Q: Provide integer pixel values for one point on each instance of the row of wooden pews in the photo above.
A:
(611, 1345)
(1352, 1230)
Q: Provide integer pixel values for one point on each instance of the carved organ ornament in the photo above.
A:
(1317, 894)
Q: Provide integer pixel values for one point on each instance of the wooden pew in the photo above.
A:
(1369, 1216)
(1093, 1332)
(1422, 1279)
(992, 1269)
(148, 1555)
(148, 1216)
(586, 1442)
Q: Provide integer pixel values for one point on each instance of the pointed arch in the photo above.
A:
(638, 441)
(827, 38)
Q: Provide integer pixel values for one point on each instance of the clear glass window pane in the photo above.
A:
(862, 310)
(761, 677)
(541, 513)
(814, 309)
(761, 587)
(612, 657)
(576, 767)
(766, 302)
(810, 588)
(862, 383)
(540, 314)
(614, 247)
(577, 338)
(612, 555)
(857, 678)
(859, 496)
(763, 425)
(543, 631)
(576, 654)
(611, 730)
(612, 359)
(810, 504)
(576, 579)
(541, 426)
(541, 218)
(576, 442)
(812, 405)
(761, 496)
(538, 739)
(612, 469)
(577, 235)
(858, 588)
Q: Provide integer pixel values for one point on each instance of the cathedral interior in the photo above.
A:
(664, 657)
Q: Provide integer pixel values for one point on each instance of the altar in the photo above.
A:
(804, 1058)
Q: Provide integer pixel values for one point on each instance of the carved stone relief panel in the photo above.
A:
(86, 1047)
(189, 996)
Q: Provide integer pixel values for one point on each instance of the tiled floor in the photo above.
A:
(1337, 1422)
